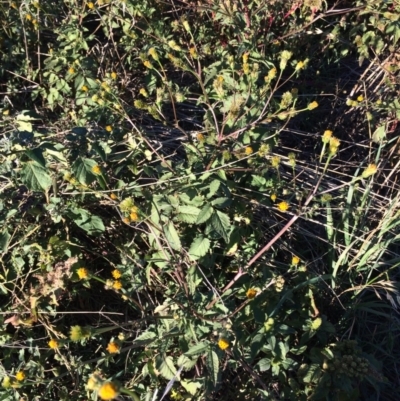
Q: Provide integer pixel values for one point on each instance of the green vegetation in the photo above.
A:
(199, 194)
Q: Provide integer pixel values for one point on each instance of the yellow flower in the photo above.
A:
(78, 333)
(82, 273)
(96, 170)
(283, 206)
(92, 383)
(173, 45)
(316, 323)
(90, 5)
(20, 376)
(71, 70)
(334, 144)
(275, 161)
(313, 105)
(133, 216)
(126, 220)
(360, 98)
(113, 348)
(147, 64)
(200, 137)
(269, 324)
(299, 66)
(248, 150)
(192, 51)
(117, 285)
(273, 197)
(153, 53)
(327, 136)
(28, 17)
(84, 88)
(6, 383)
(271, 74)
(53, 344)
(114, 75)
(109, 128)
(186, 25)
(251, 293)
(223, 343)
(116, 274)
(143, 92)
(295, 260)
(370, 170)
(108, 391)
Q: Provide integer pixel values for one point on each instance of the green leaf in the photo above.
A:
(213, 365)
(258, 181)
(190, 386)
(37, 156)
(172, 236)
(214, 186)
(221, 224)
(205, 214)
(186, 362)
(199, 247)
(222, 202)
(145, 338)
(167, 368)
(82, 169)
(35, 177)
(264, 364)
(188, 214)
(4, 240)
(380, 134)
(198, 349)
(93, 225)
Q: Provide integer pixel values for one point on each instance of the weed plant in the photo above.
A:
(199, 200)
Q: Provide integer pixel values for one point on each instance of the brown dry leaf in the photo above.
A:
(14, 320)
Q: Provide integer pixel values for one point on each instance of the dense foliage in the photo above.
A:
(199, 200)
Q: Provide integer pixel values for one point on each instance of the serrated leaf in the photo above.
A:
(172, 236)
(311, 373)
(198, 349)
(213, 365)
(205, 214)
(167, 368)
(257, 180)
(380, 134)
(24, 125)
(190, 386)
(92, 224)
(58, 156)
(82, 169)
(148, 335)
(35, 177)
(222, 202)
(195, 201)
(188, 214)
(186, 363)
(4, 240)
(37, 156)
(199, 247)
(298, 350)
(221, 224)
(214, 186)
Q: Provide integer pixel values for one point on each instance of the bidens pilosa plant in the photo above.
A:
(198, 200)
